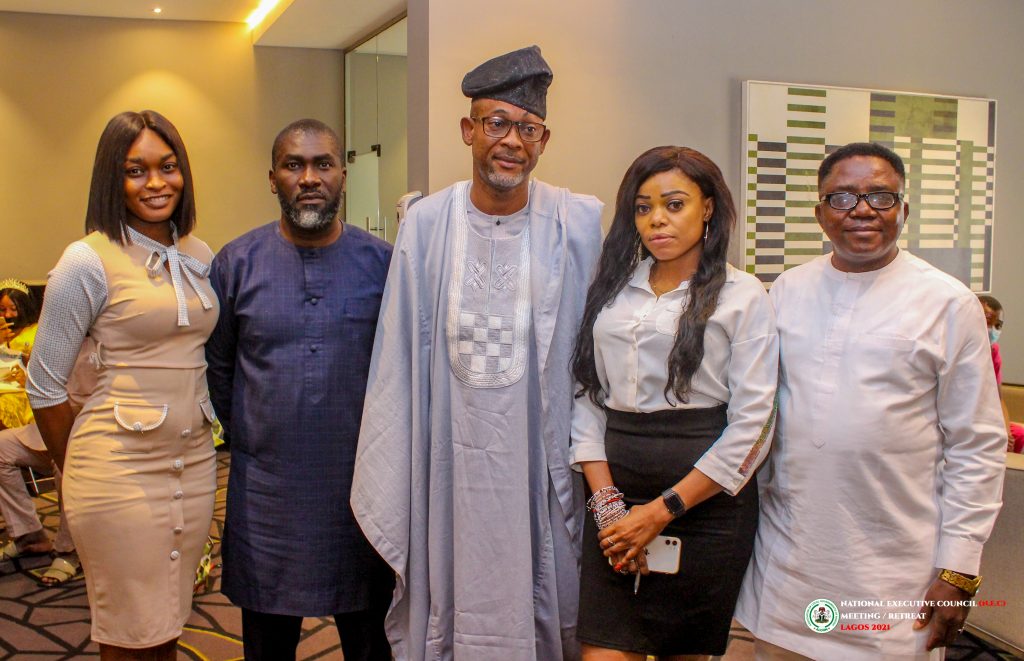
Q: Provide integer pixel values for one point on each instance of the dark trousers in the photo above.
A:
(270, 637)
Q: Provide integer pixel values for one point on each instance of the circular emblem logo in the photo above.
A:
(821, 616)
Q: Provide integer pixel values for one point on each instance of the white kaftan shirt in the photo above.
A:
(888, 458)
(633, 337)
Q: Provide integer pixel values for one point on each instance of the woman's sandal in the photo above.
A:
(61, 570)
(10, 552)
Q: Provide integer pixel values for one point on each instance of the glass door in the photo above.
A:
(375, 130)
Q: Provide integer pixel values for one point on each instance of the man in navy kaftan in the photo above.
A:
(287, 372)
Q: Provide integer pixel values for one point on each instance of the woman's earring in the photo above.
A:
(706, 226)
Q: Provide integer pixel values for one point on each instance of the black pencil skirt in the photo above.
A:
(685, 613)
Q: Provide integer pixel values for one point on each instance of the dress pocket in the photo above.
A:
(206, 406)
(135, 421)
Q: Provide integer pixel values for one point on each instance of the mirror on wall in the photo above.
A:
(375, 130)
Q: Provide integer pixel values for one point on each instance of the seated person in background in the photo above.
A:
(994, 318)
(20, 311)
(22, 447)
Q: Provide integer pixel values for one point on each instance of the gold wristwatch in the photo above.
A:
(965, 583)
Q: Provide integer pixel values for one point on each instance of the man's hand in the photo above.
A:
(946, 621)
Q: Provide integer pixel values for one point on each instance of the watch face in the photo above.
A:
(673, 502)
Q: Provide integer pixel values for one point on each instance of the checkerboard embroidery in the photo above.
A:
(485, 342)
(488, 317)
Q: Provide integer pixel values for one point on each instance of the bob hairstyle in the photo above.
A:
(28, 307)
(107, 212)
(623, 250)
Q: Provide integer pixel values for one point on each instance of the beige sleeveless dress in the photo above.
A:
(140, 473)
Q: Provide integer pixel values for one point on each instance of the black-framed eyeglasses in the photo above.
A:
(877, 200)
(498, 127)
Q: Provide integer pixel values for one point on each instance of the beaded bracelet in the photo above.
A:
(607, 506)
(601, 495)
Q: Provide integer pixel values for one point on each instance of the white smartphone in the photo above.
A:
(663, 554)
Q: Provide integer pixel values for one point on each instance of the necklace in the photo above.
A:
(658, 290)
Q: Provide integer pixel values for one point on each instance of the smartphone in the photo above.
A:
(663, 554)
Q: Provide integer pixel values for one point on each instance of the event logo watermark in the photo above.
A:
(821, 616)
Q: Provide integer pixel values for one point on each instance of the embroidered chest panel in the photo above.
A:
(488, 303)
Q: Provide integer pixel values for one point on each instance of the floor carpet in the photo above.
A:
(46, 624)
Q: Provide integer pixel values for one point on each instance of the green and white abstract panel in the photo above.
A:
(948, 146)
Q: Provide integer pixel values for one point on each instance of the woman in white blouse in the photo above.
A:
(676, 365)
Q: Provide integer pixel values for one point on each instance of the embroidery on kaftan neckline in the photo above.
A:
(486, 343)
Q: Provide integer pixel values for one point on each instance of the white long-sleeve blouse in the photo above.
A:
(633, 337)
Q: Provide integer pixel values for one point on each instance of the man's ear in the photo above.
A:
(544, 140)
(466, 126)
(273, 184)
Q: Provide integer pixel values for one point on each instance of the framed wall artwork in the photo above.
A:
(946, 142)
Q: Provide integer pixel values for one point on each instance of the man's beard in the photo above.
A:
(499, 180)
(310, 219)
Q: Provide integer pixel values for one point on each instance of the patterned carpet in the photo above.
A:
(50, 624)
(45, 624)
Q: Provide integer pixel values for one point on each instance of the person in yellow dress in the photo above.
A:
(20, 311)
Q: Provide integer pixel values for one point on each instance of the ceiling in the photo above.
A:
(302, 23)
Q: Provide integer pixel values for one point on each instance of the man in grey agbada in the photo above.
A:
(462, 479)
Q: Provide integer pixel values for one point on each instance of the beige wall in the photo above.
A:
(62, 78)
(633, 75)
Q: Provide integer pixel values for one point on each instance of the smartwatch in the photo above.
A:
(676, 506)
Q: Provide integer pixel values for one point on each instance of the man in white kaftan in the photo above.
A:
(462, 480)
(889, 450)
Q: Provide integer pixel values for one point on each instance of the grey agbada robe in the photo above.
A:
(462, 480)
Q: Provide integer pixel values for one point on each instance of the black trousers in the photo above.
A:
(271, 637)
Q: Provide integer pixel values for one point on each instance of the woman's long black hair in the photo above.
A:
(623, 250)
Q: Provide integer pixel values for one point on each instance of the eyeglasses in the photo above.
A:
(877, 200)
(498, 127)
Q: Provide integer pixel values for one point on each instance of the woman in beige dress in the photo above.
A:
(138, 461)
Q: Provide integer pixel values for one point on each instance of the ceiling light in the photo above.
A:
(157, 10)
(258, 14)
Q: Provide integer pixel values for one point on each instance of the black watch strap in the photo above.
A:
(676, 506)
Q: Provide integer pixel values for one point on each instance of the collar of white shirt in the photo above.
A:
(642, 275)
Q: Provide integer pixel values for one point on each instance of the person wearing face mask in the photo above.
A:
(17, 335)
(994, 319)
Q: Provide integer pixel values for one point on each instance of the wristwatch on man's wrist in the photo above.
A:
(965, 583)
(675, 505)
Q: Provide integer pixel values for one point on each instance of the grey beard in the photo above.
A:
(502, 182)
(310, 220)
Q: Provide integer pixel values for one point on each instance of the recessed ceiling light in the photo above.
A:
(157, 10)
